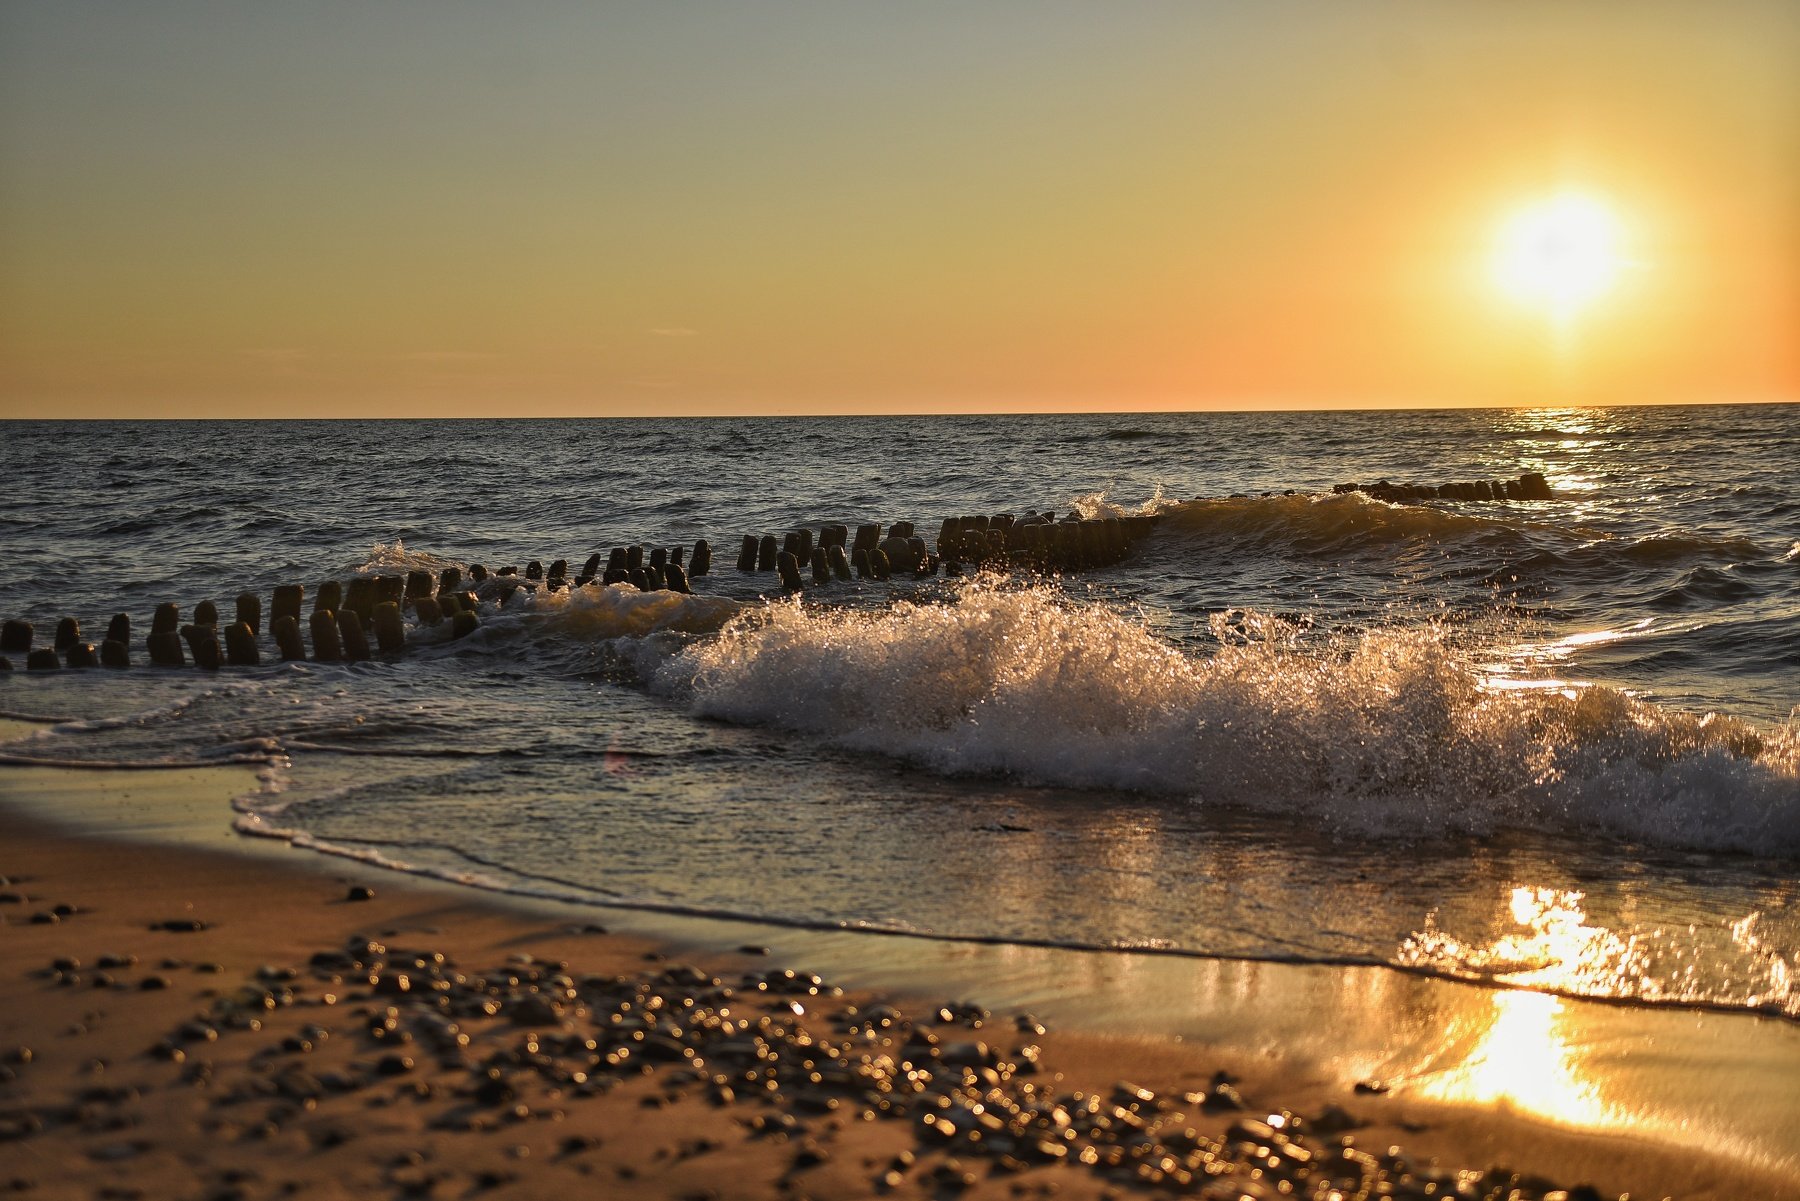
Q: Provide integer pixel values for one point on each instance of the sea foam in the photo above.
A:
(1390, 733)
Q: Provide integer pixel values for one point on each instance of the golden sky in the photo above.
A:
(441, 208)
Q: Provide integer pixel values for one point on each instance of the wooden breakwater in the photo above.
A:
(1530, 486)
(366, 616)
(345, 616)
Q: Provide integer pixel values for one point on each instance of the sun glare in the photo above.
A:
(1559, 254)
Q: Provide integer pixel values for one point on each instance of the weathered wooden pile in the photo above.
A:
(342, 620)
(1529, 486)
(1034, 541)
(344, 615)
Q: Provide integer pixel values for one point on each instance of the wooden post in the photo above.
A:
(240, 645)
(203, 641)
(164, 642)
(15, 637)
(390, 630)
(286, 629)
(789, 569)
(249, 611)
(285, 602)
(360, 600)
(350, 631)
(327, 646)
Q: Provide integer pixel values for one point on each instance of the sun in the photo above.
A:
(1559, 254)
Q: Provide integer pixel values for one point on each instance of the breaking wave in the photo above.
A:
(1391, 733)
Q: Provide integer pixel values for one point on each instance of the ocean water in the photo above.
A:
(1550, 744)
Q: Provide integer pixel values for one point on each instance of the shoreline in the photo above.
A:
(1629, 1099)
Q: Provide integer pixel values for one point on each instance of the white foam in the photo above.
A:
(594, 613)
(1391, 733)
(387, 558)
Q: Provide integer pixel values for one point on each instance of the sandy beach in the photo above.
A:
(214, 1015)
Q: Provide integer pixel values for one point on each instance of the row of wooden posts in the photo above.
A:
(1036, 541)
(1530, 486)
(340, 627)
(344, 617)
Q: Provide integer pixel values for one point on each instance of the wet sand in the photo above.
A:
(125, 1093)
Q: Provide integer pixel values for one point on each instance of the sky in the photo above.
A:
(366, 208)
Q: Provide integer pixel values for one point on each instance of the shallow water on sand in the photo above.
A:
(1544, 743)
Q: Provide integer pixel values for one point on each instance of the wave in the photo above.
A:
(1317, 522)
(1705, 587)
(1677, 548)
(1519, 550)
(1388, 733)
(388, 558)
(593, 614)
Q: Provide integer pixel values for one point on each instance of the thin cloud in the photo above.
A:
(445, 356)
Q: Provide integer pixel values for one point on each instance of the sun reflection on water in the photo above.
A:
(1519, 1059)
(1557, 949)
(1512, 1052)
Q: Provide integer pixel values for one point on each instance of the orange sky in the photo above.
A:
(336, 208)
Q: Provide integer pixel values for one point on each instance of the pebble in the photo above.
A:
(180, 925)
(360, 892)
(514, 1045)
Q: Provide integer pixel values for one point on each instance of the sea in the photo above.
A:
(1549, 744)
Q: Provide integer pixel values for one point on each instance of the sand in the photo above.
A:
(1657, 1103)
